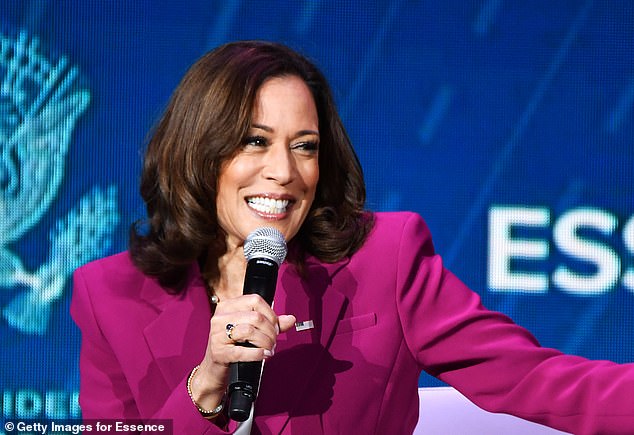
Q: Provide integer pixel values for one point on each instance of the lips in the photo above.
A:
(268, 205)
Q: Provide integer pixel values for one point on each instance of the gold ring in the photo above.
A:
(228, 330)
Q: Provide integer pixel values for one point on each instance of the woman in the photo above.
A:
(251, 138)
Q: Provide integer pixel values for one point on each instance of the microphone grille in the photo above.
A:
(266, 242)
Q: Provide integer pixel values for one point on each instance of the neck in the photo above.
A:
(228, 279)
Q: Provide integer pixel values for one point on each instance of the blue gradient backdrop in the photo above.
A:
(454, 107)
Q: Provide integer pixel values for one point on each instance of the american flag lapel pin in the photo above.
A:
(303, 326)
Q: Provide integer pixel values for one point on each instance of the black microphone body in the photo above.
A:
(244, 377)
(264, 256)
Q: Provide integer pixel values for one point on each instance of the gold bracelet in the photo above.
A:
(205, 413)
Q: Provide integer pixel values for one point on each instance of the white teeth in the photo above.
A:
(268, 205)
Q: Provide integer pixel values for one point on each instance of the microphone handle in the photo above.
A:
(244, 377)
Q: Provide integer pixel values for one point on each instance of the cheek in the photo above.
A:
(235, 170)
(234, 175)
(221, 209)
(226, 193)
(311, 177)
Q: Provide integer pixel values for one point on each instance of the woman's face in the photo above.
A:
(272, 180)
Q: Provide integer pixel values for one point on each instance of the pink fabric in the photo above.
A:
(380, 318)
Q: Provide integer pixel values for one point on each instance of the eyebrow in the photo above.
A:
(270, 130)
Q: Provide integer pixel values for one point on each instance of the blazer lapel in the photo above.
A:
(177, 338)
(286, 390)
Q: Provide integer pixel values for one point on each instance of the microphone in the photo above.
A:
(264, 249)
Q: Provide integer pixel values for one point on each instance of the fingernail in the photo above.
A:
(268, 353)
(277, 329)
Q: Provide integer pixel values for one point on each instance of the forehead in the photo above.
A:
(288, 92)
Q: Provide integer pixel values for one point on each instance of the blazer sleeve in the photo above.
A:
(497, 364)
(104, 390)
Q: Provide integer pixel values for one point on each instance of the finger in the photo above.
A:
(246, 354)
(259, 305)
(286, 321)
(247, 303)
(256, 320)
(245, 333)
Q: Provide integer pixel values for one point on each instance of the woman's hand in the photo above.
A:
(254, 322)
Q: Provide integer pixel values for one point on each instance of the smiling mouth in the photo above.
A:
(268, 205)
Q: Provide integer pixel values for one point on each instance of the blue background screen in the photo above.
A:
(507, 125)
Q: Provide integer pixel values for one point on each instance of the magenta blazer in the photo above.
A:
(379, 318)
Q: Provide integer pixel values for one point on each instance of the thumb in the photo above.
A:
(286, 321)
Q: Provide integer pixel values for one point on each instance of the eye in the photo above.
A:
(255, 141)
(308, 147)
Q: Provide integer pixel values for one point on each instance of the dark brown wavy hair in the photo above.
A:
(204, 125)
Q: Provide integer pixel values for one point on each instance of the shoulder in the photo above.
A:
(116, 261)
(110, 276)
(116, 278)
(398, 228)
(111, 289)
(398, 220)
(395, 234)
(114, 267)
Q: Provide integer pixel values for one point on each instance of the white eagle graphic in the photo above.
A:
(40, 103)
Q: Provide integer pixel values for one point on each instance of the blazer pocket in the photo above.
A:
(356, 323)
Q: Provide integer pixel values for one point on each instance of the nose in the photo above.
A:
(279, 165)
